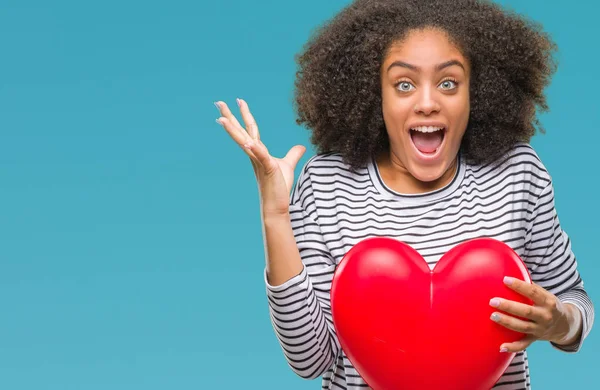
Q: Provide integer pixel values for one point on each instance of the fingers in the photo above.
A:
(518, 309)
(233, 127)
(226, 112)
(262, 155)
(231, 124)
(250, 122)
(294, 154)
(234, 131)
(518, 346)
(513, 323)
(530, 290)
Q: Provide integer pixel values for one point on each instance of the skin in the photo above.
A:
(421, 91)
(547, 319)
(415, 89)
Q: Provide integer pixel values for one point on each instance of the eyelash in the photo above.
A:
(443, 81)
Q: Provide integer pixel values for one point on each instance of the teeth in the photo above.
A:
(427, 129)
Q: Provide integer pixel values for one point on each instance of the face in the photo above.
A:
(425, 102)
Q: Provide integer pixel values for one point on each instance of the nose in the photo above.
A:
(426, 103)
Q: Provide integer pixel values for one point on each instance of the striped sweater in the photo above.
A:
(332, 208)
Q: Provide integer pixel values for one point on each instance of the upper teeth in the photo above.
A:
(427, 129)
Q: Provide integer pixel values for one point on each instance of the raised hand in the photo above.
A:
(275, 176)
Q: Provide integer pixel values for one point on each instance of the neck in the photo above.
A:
(399, 179)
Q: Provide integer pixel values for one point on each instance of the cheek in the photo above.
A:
(461, 110)
(395, 113)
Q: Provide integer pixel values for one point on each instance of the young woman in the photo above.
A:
(422, 112)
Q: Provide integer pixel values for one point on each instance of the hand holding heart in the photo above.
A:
(404, 325)
(547, 319)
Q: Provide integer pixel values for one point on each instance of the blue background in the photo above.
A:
(131, 254)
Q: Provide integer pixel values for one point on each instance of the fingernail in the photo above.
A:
(495, 316)
(503, 349)
(495, 302)
(239, 102)
(219, 121)
(218, 106)
(508, 280)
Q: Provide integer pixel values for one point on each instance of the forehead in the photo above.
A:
(424, 47)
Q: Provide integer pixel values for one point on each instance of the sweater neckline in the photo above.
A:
(440, 193)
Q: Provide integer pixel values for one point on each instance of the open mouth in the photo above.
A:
(428, 139)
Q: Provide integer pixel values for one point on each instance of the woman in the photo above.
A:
(422, 112)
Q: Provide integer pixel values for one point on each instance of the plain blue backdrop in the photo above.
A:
(131, 254)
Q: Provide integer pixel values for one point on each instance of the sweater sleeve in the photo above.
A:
(300, 308)
(552, 262)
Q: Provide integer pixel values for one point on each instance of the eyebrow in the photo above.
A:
(416, 68)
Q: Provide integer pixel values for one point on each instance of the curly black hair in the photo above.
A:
(338, 86)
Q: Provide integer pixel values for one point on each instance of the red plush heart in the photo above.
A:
(404, 326)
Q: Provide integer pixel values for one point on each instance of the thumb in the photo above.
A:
(520, 345)
(294, 154)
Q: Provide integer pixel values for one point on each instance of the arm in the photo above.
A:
(297, 307)
(298, 275)
(553, 265)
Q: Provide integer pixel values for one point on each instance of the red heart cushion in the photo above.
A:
(404, 326)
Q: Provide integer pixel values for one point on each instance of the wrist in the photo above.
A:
(575, 321)
(276, 217)
(270, 212)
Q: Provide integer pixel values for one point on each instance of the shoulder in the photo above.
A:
(521, 162)
(525, 154)
(523, 157)
(329, 167)
(325, 173)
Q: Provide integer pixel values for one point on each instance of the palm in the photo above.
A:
(276, 179)
(287, 171)
(275, 176)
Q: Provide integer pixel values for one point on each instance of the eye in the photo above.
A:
(448, 84)
(404, 86)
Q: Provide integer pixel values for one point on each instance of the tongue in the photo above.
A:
(427, 142)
